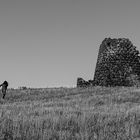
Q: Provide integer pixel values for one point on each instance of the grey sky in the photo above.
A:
(49, 43)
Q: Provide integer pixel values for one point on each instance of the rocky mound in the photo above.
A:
(82, 83)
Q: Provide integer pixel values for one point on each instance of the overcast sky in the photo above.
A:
(49, 43)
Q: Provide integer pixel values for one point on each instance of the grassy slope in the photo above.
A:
(71, 114)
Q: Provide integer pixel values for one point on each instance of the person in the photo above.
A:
(4, 88)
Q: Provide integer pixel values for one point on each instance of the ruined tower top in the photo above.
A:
(118, 63)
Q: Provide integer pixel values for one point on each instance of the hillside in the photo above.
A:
(71, 114)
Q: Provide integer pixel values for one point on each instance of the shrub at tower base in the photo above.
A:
(118, 63)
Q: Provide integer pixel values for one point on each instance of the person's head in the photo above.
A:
(5, 83)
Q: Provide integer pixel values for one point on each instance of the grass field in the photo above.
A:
(96, 113)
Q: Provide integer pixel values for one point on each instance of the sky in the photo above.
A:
(49, 43)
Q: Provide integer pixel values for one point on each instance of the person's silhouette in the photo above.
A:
(4, 88)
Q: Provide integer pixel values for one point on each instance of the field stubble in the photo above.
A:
(96, 113)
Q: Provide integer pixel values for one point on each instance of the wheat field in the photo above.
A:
(96, 113)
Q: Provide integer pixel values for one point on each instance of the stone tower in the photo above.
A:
(118, 63)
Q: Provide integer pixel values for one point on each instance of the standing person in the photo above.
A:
(4, 88)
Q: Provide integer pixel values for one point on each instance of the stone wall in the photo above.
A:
(118, 63)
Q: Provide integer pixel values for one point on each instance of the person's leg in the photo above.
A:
(4, 92)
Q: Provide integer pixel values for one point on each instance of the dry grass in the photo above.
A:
(96, 113)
